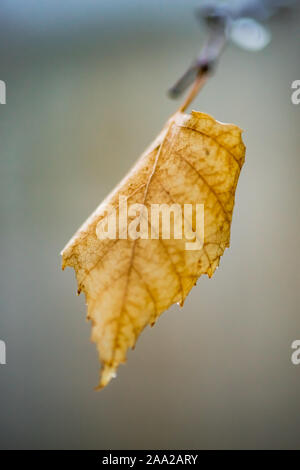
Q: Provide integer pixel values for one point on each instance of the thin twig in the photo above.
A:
(198, 73)
(219, 18)
(199, 82)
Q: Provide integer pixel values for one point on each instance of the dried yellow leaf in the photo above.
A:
(129, 282)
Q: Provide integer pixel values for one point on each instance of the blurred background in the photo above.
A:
(86, 93)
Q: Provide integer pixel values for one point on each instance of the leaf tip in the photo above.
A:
(108, 372)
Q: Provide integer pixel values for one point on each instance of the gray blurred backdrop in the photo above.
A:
(86, 93)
